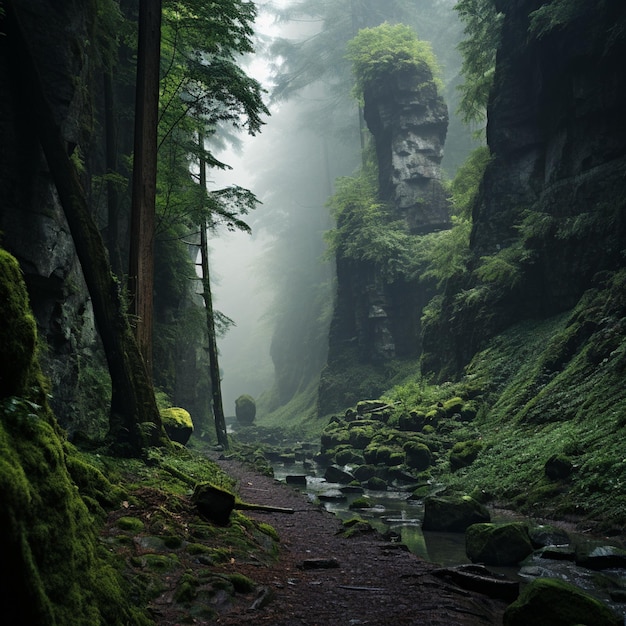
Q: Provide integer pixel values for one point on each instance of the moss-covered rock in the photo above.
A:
(550, 602)
(418, 455)
(177, 423)
(453, 513)
(50, 558)
(498, 544)
(245, 409)
(464, 453)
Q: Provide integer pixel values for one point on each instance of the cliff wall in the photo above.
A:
(553, 197)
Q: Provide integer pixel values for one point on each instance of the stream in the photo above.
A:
(392, 514)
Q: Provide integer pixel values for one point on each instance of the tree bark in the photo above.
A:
(141, 265)
(133, 400)
(216, 385)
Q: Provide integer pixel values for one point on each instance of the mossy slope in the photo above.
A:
(50, 557)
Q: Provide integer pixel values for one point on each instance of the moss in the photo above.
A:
(241, 583)
(464, 453)
(132, 524)
(245, 409)
(50, 542)
(176, 417)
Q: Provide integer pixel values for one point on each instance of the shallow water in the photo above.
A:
(392, 514)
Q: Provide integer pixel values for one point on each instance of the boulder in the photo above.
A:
(453, 513)
(213, 503)
(177, 424)
(544, 535)
(498, 544)
(549, 602)
(601, 557)
(335, 474)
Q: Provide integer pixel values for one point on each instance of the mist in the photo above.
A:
(276, 284)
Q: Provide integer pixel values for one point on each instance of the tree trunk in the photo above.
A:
(133, 400)
(113, 199)
(141, 267)
(216, 385)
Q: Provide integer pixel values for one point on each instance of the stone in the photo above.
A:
(478, 578)
(543, 535)
(335, 474)
(178, 424)
(453, 513)
(550, 602)
(601, 557)
(213, 503)
(498, 544)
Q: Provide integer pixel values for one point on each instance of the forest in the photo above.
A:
(374, 249)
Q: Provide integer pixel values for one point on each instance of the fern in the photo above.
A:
(556, 14)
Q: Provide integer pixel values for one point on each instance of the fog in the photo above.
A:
(274, 283)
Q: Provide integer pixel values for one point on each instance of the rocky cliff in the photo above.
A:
(32, 223)
(377, 310)
(551, 210)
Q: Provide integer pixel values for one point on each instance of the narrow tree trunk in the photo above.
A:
(216, 386)
(113, 200)
(141, 267)
(133, 400)
(214, 367)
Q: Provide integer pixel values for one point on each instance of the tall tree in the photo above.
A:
(141, 268)
(134, 419)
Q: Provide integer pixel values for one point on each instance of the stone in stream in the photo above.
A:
(296, 479)
(498, 544)
(335, 474)
(601, 557)
(453, 513)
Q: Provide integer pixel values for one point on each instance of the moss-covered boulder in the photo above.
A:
(413, 421)
(417, 455)
(464, 453)
(453, 513)
(245, 410)
(213, 503)
(549, 602)
(177, 423)
(498, 544)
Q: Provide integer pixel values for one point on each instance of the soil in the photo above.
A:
(368, 580)
(321, 577)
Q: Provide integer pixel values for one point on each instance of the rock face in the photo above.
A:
(377, 318)
(31, 219)
(409, 122)
(555, 186)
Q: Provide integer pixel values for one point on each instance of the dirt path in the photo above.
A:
(368, 581)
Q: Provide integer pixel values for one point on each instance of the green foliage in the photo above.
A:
(367, 232)
(445, 254)
(483, 25)
(555, 15)
(387, 49)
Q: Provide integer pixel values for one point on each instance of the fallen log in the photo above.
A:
(248, 506)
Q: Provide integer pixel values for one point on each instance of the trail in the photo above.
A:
(321, 577)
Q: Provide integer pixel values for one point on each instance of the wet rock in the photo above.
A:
(335, 474)
(296, 479)
(601, 557)
(453, 513)
(498, 544)
(557, 603)
(319, 563)
(480, 579)
(544, 535)
(558, 467)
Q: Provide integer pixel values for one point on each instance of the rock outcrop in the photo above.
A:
(409, 122)
(377, 317)
(554, 195)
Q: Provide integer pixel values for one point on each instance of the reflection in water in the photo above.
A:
(400, 519)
